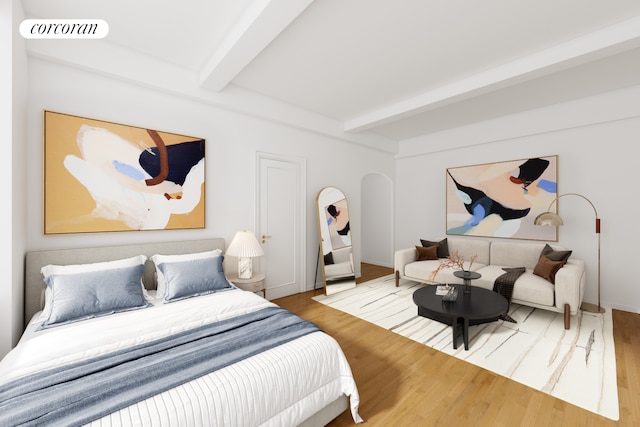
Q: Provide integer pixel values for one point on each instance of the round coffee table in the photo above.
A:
(474, 308)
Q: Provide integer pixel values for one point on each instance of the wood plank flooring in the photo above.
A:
(404, 383)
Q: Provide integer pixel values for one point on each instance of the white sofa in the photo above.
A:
(530, 289)
(342, 266)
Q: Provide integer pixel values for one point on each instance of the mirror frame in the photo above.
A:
(329, 240)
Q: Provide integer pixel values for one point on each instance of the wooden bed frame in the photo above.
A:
(35, 286)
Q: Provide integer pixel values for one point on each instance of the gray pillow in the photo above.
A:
(185, 279)
(79, 296)
(554, 255)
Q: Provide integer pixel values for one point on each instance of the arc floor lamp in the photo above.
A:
(553, 219)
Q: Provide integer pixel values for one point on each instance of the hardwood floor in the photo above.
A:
(404, 383)
(371, 271)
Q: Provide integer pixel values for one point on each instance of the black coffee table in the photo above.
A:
(474, 308)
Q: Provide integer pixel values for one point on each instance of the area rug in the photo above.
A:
(576, 365)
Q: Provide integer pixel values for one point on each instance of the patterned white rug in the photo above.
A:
(537, 351)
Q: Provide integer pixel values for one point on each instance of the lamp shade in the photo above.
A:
(245, 245)
(548, 218)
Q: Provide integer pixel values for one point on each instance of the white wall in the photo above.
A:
(232, 142)
(6, 107)
(596, 140)
(12, 132)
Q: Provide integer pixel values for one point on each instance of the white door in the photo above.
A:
(281, 228)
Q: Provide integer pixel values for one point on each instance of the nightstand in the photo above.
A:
(255, 284)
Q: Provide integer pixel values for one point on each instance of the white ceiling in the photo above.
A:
(392, 69)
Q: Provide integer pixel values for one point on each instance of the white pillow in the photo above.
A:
(51, 269)
(159, 259)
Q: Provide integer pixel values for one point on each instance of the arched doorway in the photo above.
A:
(377, 220)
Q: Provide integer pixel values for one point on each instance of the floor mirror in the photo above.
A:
(335, 254)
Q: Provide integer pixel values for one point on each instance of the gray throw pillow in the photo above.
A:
(79, 296)
(185, 279)
(554, 255)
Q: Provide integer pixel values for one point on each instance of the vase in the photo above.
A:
(466, 278)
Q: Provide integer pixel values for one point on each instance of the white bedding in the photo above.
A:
(279, 387)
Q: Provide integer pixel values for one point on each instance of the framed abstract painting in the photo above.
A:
(502, 199)
(101, 176)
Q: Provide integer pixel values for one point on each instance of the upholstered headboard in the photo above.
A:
(33, 280)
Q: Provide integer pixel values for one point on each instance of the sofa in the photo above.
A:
(560, 291)
(338, 264)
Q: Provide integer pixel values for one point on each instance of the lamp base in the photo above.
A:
(591, 308)
(245, 267)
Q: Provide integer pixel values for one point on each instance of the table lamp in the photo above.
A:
(245, 246)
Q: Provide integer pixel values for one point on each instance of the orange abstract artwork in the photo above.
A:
(101, 176)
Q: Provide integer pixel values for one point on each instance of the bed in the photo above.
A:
(173, 343)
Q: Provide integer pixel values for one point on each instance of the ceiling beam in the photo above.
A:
(590, 47)
(259, 26)
(103, 58)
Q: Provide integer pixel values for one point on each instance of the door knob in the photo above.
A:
(264, 237)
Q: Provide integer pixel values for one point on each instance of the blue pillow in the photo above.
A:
(184, 279)
(86, 295)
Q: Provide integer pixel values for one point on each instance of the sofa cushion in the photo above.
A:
(534, 289)
(547, 268)
(426, 253)
(555, 255)
(342, 269)
(423, 270)
(528, 287)
(515, 254)
(469, 247)
(442, 245)
(341, 255)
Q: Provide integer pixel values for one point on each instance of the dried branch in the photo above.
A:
(455, 261)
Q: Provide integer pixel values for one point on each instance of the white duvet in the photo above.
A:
(279, 387)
